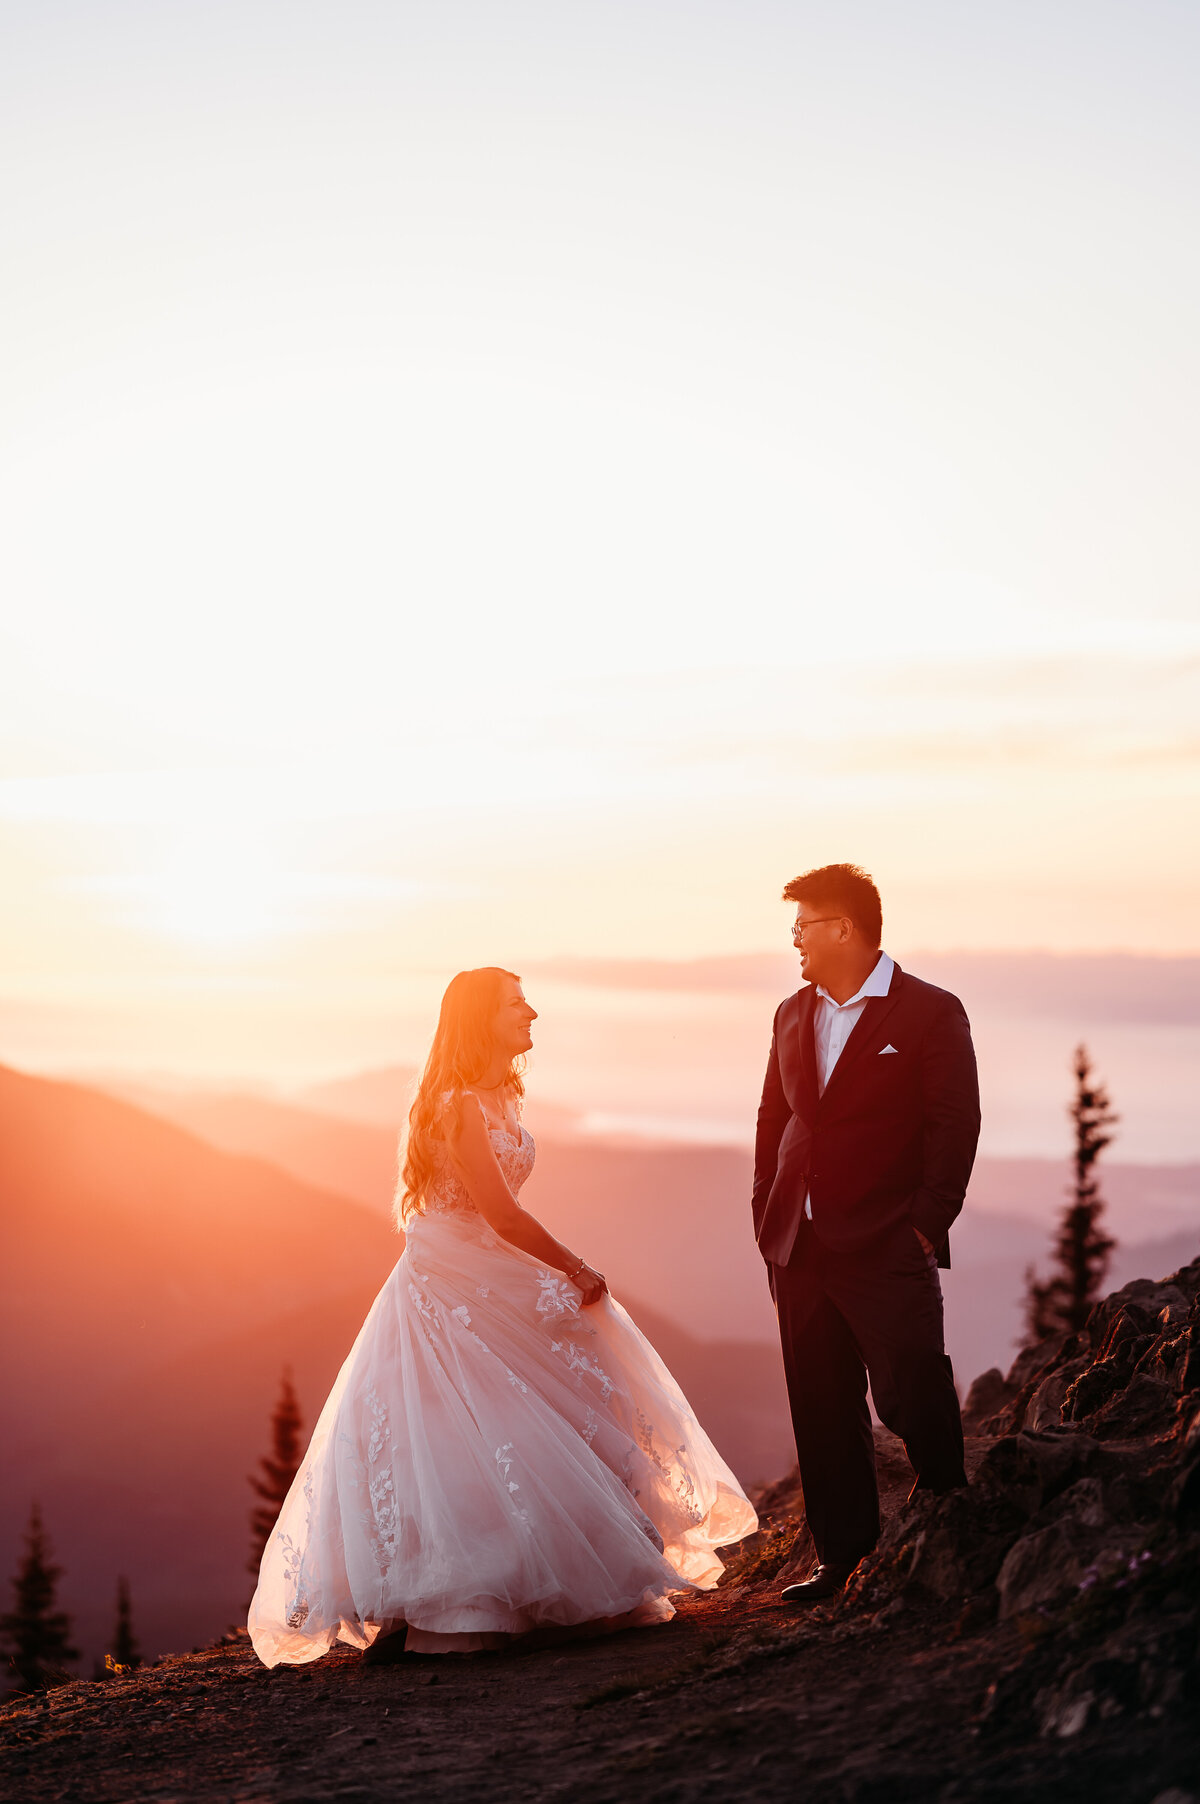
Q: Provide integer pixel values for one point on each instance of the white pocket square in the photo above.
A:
(884, 1049)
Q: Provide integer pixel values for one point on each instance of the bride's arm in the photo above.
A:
(472, 1153)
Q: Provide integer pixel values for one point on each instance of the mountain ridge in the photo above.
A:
(151, 1290)
(1027, 1639)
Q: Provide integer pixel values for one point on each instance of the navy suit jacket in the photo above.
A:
(890, 1144)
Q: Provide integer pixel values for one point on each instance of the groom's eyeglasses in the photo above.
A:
(799, 927)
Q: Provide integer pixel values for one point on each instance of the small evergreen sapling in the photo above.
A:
(38, 1636)
(126, 1655)
(1063, 1302)
(278, 1469)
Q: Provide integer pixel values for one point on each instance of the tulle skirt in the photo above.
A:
(493, 1458)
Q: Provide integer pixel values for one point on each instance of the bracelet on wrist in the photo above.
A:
(573, 1275)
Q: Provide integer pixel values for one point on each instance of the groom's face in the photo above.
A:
(816, 937)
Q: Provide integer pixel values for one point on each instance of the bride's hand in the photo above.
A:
(591, 1283)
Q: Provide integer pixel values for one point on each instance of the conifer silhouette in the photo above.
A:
(126, 1654)
(1063, 1302)
(278, 1468)
(38, 1636)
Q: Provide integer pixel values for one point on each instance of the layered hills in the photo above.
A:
(1026, 1640)
(152, 1288)
(157, 1274)
(670, 1222)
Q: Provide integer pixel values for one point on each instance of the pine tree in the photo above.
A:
(126, 1655)
(279, 1468)
(38, 1635)
(1063, 1302)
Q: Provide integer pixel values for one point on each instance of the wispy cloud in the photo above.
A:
(1077, 988)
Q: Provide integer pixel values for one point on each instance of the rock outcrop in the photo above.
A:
(1081, 1526)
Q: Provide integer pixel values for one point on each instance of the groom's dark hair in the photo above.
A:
(841, 889)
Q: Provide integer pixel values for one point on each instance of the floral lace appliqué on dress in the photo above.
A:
(514, 1155)
(486, 1463)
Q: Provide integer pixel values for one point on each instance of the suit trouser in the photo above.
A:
(844, 1317)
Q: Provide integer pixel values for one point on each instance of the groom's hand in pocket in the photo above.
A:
(927, 1246)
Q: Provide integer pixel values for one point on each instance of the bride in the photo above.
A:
(503, 1452)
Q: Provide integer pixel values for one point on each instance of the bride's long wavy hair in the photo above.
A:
(464, 1045)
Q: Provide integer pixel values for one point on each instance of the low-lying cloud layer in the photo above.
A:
(1082, 988)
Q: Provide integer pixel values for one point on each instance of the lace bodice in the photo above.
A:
(515, 1155)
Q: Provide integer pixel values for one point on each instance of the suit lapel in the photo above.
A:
(865, 1031)
(806, 1040)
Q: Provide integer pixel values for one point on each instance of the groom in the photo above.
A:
(866, 1137)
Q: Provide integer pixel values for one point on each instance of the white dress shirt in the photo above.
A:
(833, 1023)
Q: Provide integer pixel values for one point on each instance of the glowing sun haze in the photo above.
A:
(501, 483)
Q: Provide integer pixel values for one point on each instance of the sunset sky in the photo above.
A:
(508, 482)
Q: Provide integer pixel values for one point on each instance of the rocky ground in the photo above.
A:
(1033, 1637)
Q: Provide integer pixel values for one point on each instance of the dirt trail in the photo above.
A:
(1031, 1638)
(736, 1698)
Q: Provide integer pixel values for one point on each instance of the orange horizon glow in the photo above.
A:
(445, 529)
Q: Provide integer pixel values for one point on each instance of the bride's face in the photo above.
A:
(514, 1019)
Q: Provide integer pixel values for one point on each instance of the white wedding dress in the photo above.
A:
(493, 1457)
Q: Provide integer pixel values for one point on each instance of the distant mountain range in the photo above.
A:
(163, 1260)
(675, 1049)
(152, 1288)
(671, 1221)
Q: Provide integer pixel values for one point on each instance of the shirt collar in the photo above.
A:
(877, 984)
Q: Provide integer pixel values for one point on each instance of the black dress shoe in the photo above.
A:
(822, 1583)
